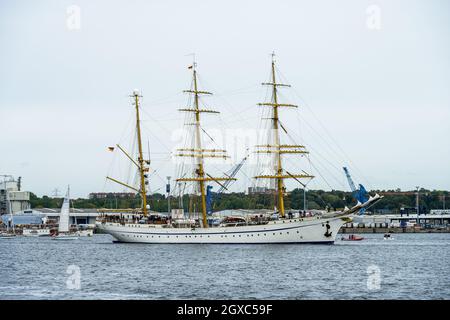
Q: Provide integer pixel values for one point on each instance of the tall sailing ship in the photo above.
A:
(138, 225)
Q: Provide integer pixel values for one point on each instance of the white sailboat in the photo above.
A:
(124, 227)
(63, 226)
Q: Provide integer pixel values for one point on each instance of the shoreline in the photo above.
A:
(345, 230)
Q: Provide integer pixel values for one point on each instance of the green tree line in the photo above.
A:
(315, 199)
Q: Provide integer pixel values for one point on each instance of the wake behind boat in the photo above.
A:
(64, 237)
(139, 226)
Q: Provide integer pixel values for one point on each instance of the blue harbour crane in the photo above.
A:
(360, 194)
(223, 186)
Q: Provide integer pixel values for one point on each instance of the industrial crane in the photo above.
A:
(223, 186)
(360, 194)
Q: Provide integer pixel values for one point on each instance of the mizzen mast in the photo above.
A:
(141, 163)
(198, 152)
(141, 160)
(276, 147)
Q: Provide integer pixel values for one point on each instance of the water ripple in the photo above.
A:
(410, 266)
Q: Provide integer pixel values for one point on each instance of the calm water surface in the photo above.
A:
(409, 266)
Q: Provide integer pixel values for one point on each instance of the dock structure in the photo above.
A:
(436, 220)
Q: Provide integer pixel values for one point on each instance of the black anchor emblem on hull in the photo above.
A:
(328, 233)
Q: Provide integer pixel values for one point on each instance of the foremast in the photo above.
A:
(275, 147)
(198, 152)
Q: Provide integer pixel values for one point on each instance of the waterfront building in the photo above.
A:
(47, 215)
(12, 198)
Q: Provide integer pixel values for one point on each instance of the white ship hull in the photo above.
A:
(309, 230)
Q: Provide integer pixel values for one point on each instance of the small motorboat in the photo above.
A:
(7, 236)
(387, 236)
(85, 233)
(352, 237)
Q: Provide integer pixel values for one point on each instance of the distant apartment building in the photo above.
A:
(113, 195)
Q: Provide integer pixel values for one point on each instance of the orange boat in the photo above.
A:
(352, 237)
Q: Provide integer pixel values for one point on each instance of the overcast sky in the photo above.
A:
(375, 73)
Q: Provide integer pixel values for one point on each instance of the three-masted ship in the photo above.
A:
(136, 225)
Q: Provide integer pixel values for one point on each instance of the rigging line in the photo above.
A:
(318, 153)
(318, 134)
(323, 167)
(329, 172)
(155, 137)
(115, 157)
(321, 175)
(153, 121)
(157, 175)
(228, 104)
(315, 151)
(162, 119)
(132, 151)
(208, 135)
(221, 93)
(308, 107)
(163, 100)
(237, 114)
(329, 135)
(126, 127)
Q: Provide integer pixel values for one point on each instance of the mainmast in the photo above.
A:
(141, 156)
(198, 152)
(276, 147)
